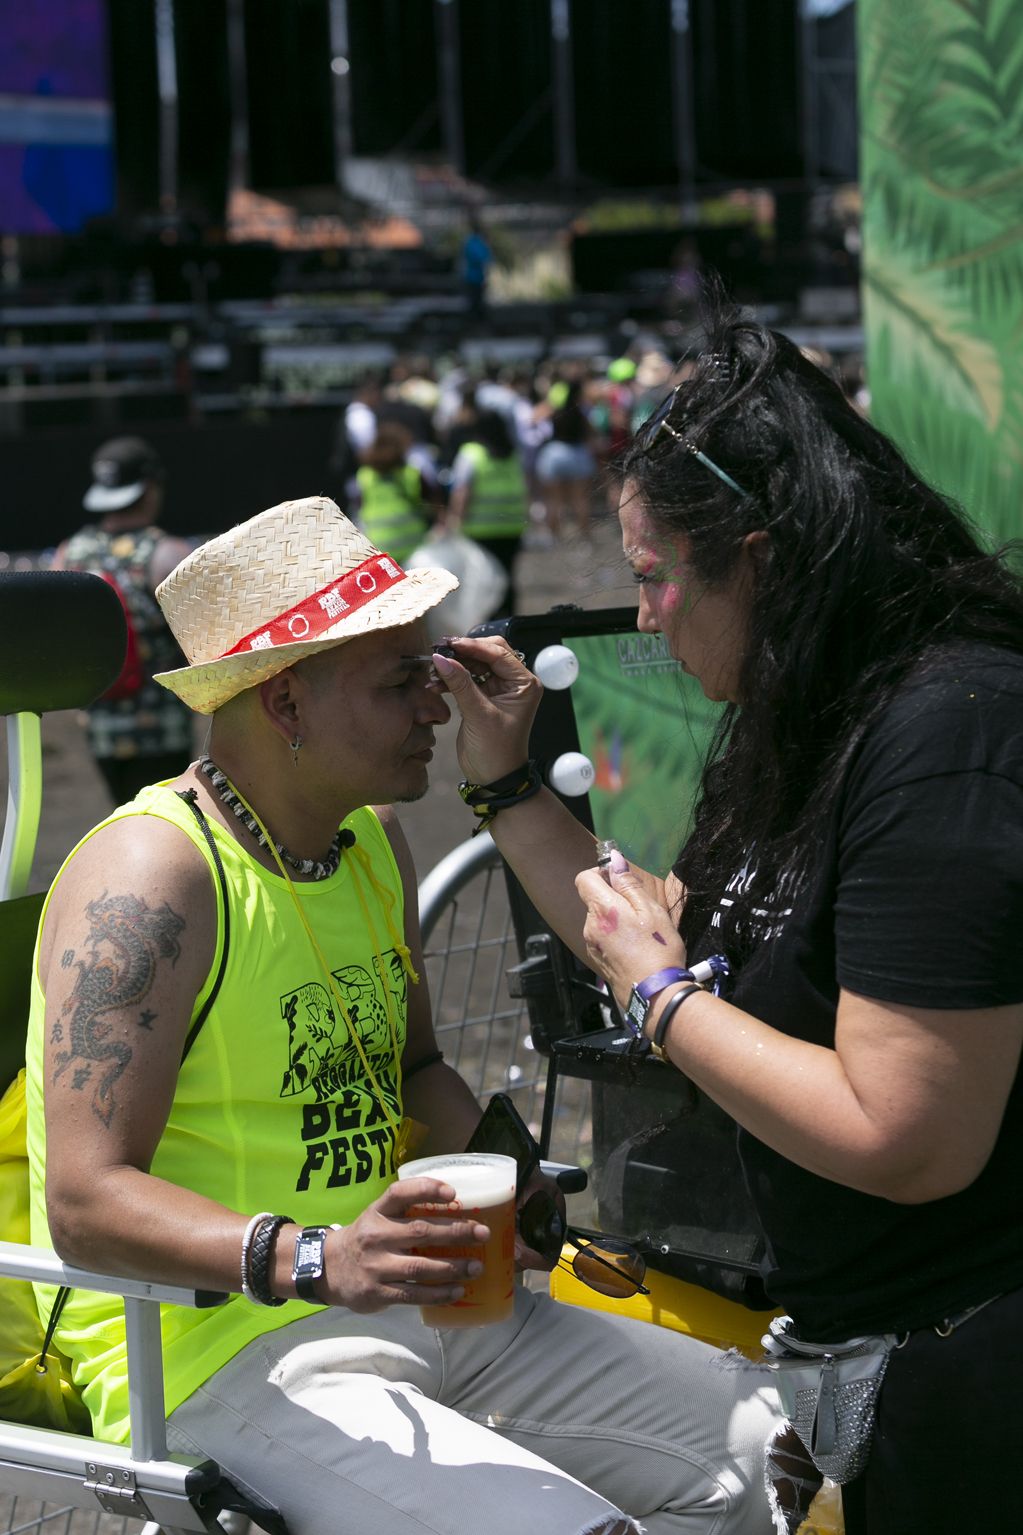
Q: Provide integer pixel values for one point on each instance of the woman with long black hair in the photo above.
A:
(857, 855)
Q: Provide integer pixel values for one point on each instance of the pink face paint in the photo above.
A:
(676, 600)
(607, 922)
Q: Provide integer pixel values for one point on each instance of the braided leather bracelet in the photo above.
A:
(486, 799)
(259, 1259)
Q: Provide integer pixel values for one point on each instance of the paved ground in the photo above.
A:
(75, 797)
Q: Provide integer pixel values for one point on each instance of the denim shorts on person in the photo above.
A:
(565, 461)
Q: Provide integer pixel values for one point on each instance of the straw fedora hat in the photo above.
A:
(286, 584)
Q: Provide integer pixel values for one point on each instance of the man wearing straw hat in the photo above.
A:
(232, 1039)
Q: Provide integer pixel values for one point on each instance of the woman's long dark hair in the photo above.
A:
(869, 569)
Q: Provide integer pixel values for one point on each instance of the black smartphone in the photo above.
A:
(504, 1132)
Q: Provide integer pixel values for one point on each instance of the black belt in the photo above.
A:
(947, 1326)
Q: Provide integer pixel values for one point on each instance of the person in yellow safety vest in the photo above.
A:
(395, 508)
(489, 496)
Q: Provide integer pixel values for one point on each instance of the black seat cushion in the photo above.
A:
(62, 640)
(18, 923)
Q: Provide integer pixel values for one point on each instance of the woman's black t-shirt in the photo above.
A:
(916, 898)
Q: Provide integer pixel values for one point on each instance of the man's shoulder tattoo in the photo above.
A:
(126, 940)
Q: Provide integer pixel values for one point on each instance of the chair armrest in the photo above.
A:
(569, 1178)
(141, 1326)
(41, 1265)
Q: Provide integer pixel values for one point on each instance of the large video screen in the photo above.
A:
(56, 123)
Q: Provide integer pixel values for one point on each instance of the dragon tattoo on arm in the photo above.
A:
(125, 941)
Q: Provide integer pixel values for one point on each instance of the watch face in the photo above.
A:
(635, 1013)
(309, 1254)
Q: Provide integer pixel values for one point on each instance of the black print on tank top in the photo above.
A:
(345, 1135)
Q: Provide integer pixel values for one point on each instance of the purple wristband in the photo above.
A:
(649, 988)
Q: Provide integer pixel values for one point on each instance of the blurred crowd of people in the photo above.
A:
(512, 457)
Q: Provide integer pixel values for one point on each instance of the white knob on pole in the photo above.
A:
(556, 666)
(572, 773)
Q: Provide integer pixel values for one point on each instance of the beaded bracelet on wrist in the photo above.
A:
(260, 1252)
(485, 800)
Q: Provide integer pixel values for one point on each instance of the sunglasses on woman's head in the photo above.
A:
(659, 428)
(604, 1263)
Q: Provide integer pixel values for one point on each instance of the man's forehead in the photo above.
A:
(385, 647)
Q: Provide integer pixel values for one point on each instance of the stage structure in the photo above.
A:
(550, 100)
(578, 95)
(941, 108)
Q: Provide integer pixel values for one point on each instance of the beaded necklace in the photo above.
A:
(318, 868)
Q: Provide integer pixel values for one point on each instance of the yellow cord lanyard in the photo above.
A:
(409, 1132)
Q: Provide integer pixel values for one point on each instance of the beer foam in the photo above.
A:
(474, 1183)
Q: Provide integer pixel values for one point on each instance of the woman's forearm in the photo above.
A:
(903, 1108)
(791, 1095)
(546, 848)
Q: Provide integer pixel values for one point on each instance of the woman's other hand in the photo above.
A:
(527, 1257)
(629, 931)
(497, 698)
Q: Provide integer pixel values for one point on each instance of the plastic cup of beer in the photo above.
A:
(484, 1186)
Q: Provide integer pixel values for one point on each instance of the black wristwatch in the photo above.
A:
(309, 1265)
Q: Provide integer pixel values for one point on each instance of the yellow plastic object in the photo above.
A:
(674, 1303)
(32, 1390)
(825, 1516)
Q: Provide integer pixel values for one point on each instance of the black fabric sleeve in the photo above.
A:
(929, 908)
(929, 903)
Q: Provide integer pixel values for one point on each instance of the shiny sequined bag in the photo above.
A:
(829, 1394)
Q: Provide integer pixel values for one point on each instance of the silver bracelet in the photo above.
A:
(250, 1232)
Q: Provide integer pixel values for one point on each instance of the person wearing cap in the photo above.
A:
(138, 731)
(231, 1049)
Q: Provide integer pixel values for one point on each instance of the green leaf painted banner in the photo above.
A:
(646, 728)
(941, 113)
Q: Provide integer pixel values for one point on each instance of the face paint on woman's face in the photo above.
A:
(705, 627)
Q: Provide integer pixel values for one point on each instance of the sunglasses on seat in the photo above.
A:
(605, 1264)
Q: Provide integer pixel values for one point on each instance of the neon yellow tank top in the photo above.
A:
(271, 1109)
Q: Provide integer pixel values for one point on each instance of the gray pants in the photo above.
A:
(555, 1421)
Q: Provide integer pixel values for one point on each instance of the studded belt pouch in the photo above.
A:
(829, 1394)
